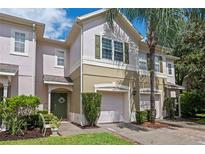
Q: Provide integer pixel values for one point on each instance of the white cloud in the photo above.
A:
(56, 21)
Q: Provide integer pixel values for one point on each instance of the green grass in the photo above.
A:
(201, 121)
(202, 118)
(202, 115)
(81, 139)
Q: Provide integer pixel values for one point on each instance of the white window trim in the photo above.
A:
(101, 48)
(12, 43)
(146, 72)
(157, 63)
(145, 61)
(172, 69)
(113, 50)
(123, 51)
(56, 58)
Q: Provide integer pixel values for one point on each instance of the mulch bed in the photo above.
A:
(156, 125)
(35, 133)
(85, 127)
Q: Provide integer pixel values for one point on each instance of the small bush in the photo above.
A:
(192, 103)
(32, 121)
(14, 109)
(169, 107)
(43, 112)
(91, 107)
(141, 116)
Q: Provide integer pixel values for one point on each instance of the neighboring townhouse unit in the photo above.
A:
(93, 58)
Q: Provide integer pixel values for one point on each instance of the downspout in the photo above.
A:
(34, 58)
(81, 73)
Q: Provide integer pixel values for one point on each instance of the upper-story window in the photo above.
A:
(112, 50)
(143, 61)
(118, 51)
(106, 48)
(157, 63)
(60, 58)
(169, 66)
(19, 44)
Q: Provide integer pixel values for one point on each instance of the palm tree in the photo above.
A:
(161, 26)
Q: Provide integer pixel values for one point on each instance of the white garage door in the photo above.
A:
(145, 103)
(111, 107)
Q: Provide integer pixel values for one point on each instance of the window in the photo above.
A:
(118, 51)
(169, 68)
(106, 48)
(60, 58)
(157, 64)
(19, 45)
(143, 61)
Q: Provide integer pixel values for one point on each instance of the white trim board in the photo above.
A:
(7, 74)
(111, 85)
(57, 83)
(108, 64)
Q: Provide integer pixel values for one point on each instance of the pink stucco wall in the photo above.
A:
(46, 65)
(25, 82)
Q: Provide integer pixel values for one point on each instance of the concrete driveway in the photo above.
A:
(166, 136)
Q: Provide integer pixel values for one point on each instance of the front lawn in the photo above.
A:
(201, 119)
(81, 139)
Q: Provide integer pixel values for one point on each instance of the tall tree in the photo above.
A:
(161, 26)
(190, 69)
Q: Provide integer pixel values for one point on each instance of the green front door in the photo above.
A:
(59, 105)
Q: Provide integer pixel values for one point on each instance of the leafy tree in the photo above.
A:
(190, 68)
(161, 25)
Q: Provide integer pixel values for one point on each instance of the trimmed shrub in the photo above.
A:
(192, 103)
(13, 111)
(169, 107)
(91, 107)
(32, 121)
(141, 116)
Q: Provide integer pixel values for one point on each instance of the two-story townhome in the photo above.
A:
(93, 58)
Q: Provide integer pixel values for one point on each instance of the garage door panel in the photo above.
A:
(111, 107)
(110, 116)
(145, 103)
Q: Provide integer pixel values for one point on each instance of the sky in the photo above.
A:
(58, 22)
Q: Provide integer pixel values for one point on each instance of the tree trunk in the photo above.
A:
(152, 78)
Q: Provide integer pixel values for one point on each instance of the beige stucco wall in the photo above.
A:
(75, 95)
(99, 75)
(99, 26)
(144, 82)
(74, 54)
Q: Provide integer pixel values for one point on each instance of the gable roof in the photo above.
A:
(102, 12)
(39, 27)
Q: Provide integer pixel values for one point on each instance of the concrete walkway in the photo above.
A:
(166, 136)
(184, 124)
(171, 135)
(68, 128)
